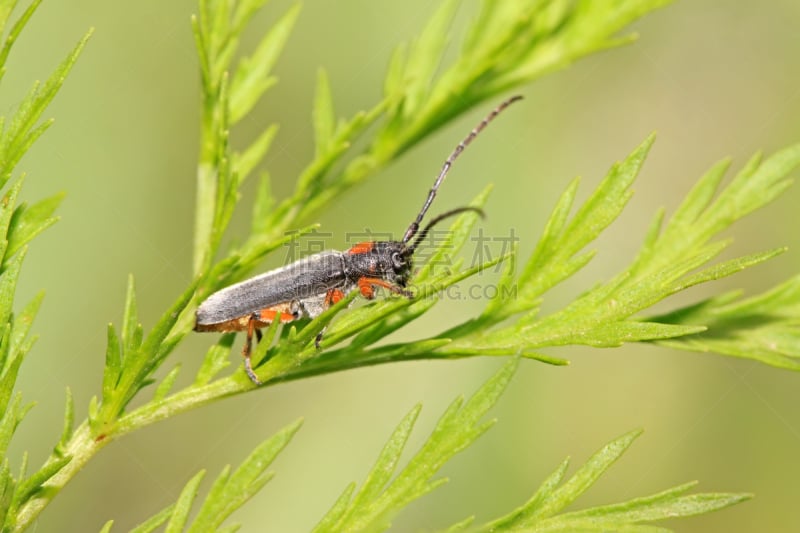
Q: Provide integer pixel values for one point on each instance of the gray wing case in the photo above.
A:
(311, 276)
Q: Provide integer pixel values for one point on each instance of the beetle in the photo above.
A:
(309, 286)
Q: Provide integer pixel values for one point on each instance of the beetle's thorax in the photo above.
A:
(387, 260)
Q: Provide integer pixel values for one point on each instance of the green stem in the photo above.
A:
(81, 447)
(205, 203)
(180, 402)
(84, 445)
(279, 370)
(204, 217)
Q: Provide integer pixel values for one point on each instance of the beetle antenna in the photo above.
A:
(414, 227)
(447, 214)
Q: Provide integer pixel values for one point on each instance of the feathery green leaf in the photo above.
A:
(180, 513)
(232, 490)
(18, 135)
(379, 500)
(540, 512)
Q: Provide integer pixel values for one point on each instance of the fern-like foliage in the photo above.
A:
(509, 44)
(19, 224)
(386, 492)
(764, 327)
(229, 492)
(387, 489)
(670, 261)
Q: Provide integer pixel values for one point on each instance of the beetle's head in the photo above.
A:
(395, 262)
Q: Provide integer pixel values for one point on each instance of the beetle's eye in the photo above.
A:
(397, 260)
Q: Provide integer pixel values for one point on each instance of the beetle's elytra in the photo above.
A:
(307, 287)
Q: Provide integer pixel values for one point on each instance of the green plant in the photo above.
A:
(514, 44)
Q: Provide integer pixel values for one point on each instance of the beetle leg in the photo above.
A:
(296, 309)
(318, 338)
(367, 287)
(331, 297)
(248, 344)
(283, 312)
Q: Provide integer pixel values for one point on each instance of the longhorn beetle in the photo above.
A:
(309, 286)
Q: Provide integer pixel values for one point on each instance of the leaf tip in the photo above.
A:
(648, 142)
(633, 434)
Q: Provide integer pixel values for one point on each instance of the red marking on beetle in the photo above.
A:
(333, 296)
(269, 315)
(367, 287)
(362, 248)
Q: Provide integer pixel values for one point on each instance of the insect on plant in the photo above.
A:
(309, 286)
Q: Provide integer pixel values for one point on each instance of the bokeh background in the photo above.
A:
(713, 77)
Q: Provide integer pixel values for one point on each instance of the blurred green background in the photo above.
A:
(713, 77)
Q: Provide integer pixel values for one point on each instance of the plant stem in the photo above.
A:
(180, 402)
(204, 218)
(206, 199)
(81, 447)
